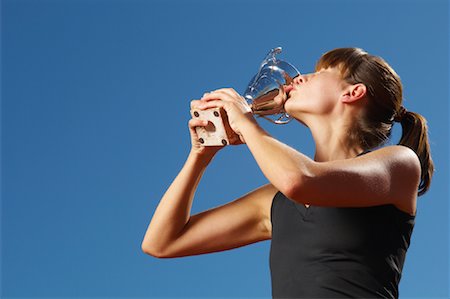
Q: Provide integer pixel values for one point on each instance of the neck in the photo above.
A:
(332, 141)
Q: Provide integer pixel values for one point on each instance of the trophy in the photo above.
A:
(265, 95)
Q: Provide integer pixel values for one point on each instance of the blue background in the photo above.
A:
(95, 105)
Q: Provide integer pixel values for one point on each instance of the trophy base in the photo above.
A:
(218, 131)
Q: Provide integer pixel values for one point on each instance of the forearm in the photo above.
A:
(282, 165)
(174, 208)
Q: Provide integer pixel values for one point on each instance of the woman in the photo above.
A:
(340, 223)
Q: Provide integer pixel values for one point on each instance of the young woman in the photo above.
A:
(340, 223)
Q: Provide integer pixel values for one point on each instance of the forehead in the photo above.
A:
(344, 59)
(328, 60)
(334, 71)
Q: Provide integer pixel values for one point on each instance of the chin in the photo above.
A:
(287, 107)
(291, 110)
(293, 113)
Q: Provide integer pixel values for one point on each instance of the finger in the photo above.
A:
(214, 103)
(226, 94)
(216, 96)
(234, 94)
(195, 103)
(197, 122)
(230, 91)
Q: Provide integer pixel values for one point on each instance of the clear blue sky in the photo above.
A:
(95, 104)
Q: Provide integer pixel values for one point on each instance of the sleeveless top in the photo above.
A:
(329, 252)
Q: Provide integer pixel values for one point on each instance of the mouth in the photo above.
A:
(288, 88)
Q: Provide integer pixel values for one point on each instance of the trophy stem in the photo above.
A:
(278, 121)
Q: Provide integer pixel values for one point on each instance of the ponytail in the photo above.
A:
(415, 136)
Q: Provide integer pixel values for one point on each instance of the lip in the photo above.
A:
(288, 88)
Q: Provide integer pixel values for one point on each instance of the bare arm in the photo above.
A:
(389, 175)
(173, 232)
(240, 222)
(174, 209)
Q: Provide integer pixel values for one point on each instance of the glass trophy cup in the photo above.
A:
(265, 95)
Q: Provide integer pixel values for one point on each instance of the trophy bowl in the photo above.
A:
(265, 95)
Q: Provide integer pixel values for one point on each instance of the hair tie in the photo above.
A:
(400, 114)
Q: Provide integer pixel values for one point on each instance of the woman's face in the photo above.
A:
(315, 93)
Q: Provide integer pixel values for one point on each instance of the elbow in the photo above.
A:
(152, 251)
(296, 187)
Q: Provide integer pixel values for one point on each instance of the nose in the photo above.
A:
(299, 79)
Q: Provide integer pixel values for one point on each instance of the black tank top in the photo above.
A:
(328, 252)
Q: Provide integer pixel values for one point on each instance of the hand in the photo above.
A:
(238, 110)
(196, 147)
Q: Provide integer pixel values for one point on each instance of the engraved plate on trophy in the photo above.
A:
(218, 130)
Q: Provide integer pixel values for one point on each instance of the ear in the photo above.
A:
(354, 92)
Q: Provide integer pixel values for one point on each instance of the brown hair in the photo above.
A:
(384, 106)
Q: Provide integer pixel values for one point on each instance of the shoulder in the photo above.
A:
(399, 161)
(405, 174)
(399, 158)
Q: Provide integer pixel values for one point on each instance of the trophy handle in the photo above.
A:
(271, 54)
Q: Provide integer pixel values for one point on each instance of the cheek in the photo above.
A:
(300, 101)
(305, 95)
(316, 99)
